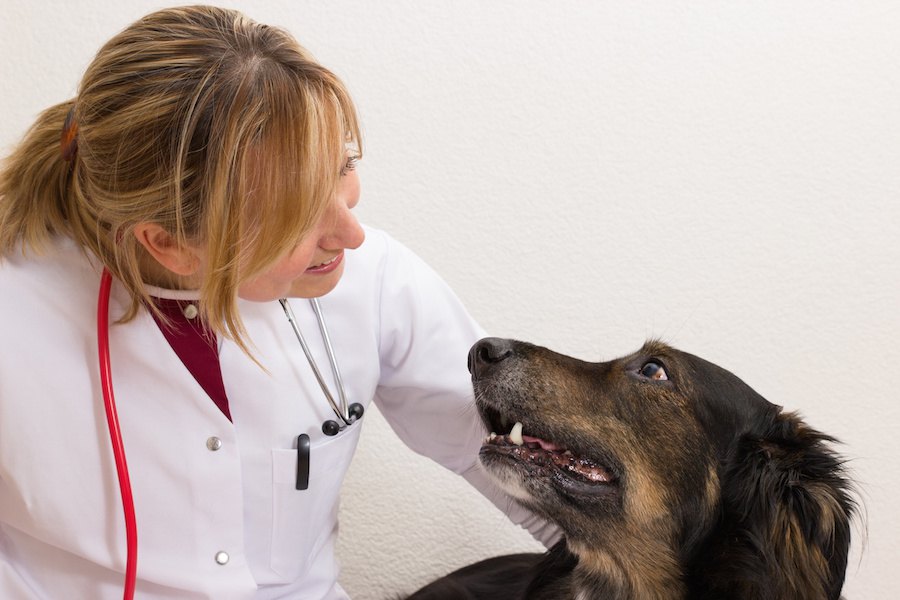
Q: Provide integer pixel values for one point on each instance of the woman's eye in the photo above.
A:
(653, 370)
(349, 165)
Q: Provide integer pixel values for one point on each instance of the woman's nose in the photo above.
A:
(350, 232)
(344, 230)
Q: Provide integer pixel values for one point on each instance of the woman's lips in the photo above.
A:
(327, 266)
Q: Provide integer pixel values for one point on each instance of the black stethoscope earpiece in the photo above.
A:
(332, 427)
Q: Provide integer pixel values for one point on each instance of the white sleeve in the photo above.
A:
(425, 391)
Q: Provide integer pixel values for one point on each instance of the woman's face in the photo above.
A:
(314, 267)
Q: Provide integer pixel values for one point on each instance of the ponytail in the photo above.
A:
(34, 185)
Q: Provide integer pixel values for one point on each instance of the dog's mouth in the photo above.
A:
(539, 457)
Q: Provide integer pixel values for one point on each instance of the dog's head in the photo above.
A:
(666, 472)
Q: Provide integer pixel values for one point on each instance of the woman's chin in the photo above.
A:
(308, 285)
(315, 285)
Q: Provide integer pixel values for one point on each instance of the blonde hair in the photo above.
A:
(224, 131)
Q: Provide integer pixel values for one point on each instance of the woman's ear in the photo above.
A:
(162, 246)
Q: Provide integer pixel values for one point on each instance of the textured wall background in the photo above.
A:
(725, 176)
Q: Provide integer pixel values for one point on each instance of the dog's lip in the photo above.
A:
(543, 457)
(538, 436)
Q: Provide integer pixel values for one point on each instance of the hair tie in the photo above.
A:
(68, 141)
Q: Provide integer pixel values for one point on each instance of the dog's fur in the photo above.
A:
(680, 482)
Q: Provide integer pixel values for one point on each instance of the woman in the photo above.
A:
(207, 164)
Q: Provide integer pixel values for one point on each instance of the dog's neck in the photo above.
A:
(648, 570)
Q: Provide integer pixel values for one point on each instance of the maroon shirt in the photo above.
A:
(195, 345)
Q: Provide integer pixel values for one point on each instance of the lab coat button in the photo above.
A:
(222, 557)
(190, 311)
(213, 443)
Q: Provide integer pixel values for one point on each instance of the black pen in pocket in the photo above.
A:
(302, 461)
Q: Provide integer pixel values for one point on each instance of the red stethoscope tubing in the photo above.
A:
(115, 434)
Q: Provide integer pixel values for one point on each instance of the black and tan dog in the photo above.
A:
(669, 477)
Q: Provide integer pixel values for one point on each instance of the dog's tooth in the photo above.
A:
(492, 436)
(515, 434)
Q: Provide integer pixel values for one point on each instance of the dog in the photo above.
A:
(669, 477)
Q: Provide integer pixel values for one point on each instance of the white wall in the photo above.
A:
(725, 176)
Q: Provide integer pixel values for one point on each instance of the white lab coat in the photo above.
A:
(401, 339)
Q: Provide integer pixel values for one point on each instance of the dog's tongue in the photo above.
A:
(546, 445)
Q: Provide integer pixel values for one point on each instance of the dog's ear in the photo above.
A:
(787, 507)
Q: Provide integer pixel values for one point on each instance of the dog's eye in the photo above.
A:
(653, 370)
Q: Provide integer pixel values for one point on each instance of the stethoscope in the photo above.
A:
(346, 415)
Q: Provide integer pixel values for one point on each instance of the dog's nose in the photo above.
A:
(486, 353)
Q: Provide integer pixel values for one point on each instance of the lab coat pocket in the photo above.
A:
(302, 520)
